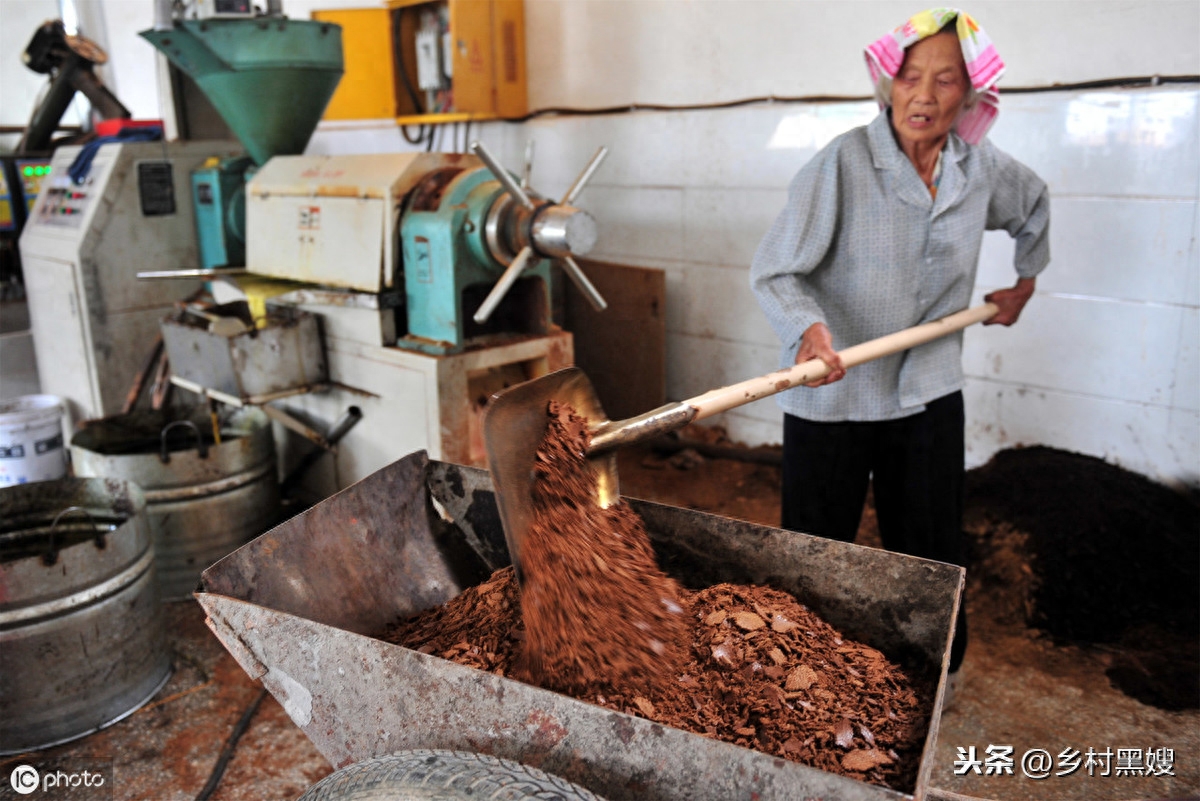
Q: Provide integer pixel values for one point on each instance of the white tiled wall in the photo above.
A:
(1104, 360)
(605, 53)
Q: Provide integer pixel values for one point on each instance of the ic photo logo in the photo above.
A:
(81, 779)
(24, 779)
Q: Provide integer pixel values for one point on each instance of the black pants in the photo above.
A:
(916, 466)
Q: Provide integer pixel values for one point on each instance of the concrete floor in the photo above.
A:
(166, 750)
(1030, 694)
(1018, 691)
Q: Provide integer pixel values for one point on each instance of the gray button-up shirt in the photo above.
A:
(864, 248)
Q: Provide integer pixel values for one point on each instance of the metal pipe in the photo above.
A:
(527, 175)
(192, 273)
(503, 285)
(502, 175)
(164, 20)
(576, 274)
(616, 433)
(339, 429)
(343, 424)
(584, 177)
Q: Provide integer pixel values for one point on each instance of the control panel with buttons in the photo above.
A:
(65, 205)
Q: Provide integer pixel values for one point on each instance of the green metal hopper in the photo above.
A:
(269, 78)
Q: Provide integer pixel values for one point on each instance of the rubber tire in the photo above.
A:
(427, 775)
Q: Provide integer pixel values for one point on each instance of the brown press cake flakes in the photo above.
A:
(598, 611)
(768, 674)
(480, 627)
(762, 671)
(747, 665)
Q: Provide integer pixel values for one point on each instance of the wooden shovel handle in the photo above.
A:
(734, 395)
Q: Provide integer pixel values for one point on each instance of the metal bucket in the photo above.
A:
(82, 642)
(203, 500)
(31, 440)
(298, 607)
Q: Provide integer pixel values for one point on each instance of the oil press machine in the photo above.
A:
(114, 208)
(431, 274)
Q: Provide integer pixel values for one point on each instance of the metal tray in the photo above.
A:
(284, 357)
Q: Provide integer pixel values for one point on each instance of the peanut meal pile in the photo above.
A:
(603, 614)
(596, 618)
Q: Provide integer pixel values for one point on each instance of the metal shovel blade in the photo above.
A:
(513, 430)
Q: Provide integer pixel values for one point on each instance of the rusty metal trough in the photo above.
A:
(297, 607)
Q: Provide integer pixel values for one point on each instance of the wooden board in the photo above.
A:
(623, 349)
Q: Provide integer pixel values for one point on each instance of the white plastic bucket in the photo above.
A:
(31, 440)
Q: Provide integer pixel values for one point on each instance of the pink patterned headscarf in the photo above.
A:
(984, 66)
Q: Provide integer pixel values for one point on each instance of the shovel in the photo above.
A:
(516, 419)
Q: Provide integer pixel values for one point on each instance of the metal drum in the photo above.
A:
(82, 641)
(204, 499)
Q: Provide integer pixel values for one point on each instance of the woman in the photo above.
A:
(882, 231)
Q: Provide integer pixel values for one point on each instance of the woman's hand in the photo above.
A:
(1010, 301)
(817, 343)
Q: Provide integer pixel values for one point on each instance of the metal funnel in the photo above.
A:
(269, 78)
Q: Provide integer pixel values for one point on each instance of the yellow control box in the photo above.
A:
(477, 48)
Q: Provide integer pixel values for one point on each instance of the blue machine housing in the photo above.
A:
(449, 269)
(219, 202)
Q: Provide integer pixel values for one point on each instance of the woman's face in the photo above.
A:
(929, 91)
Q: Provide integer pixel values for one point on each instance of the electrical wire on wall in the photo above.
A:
(1109, 83)
(433, 137)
